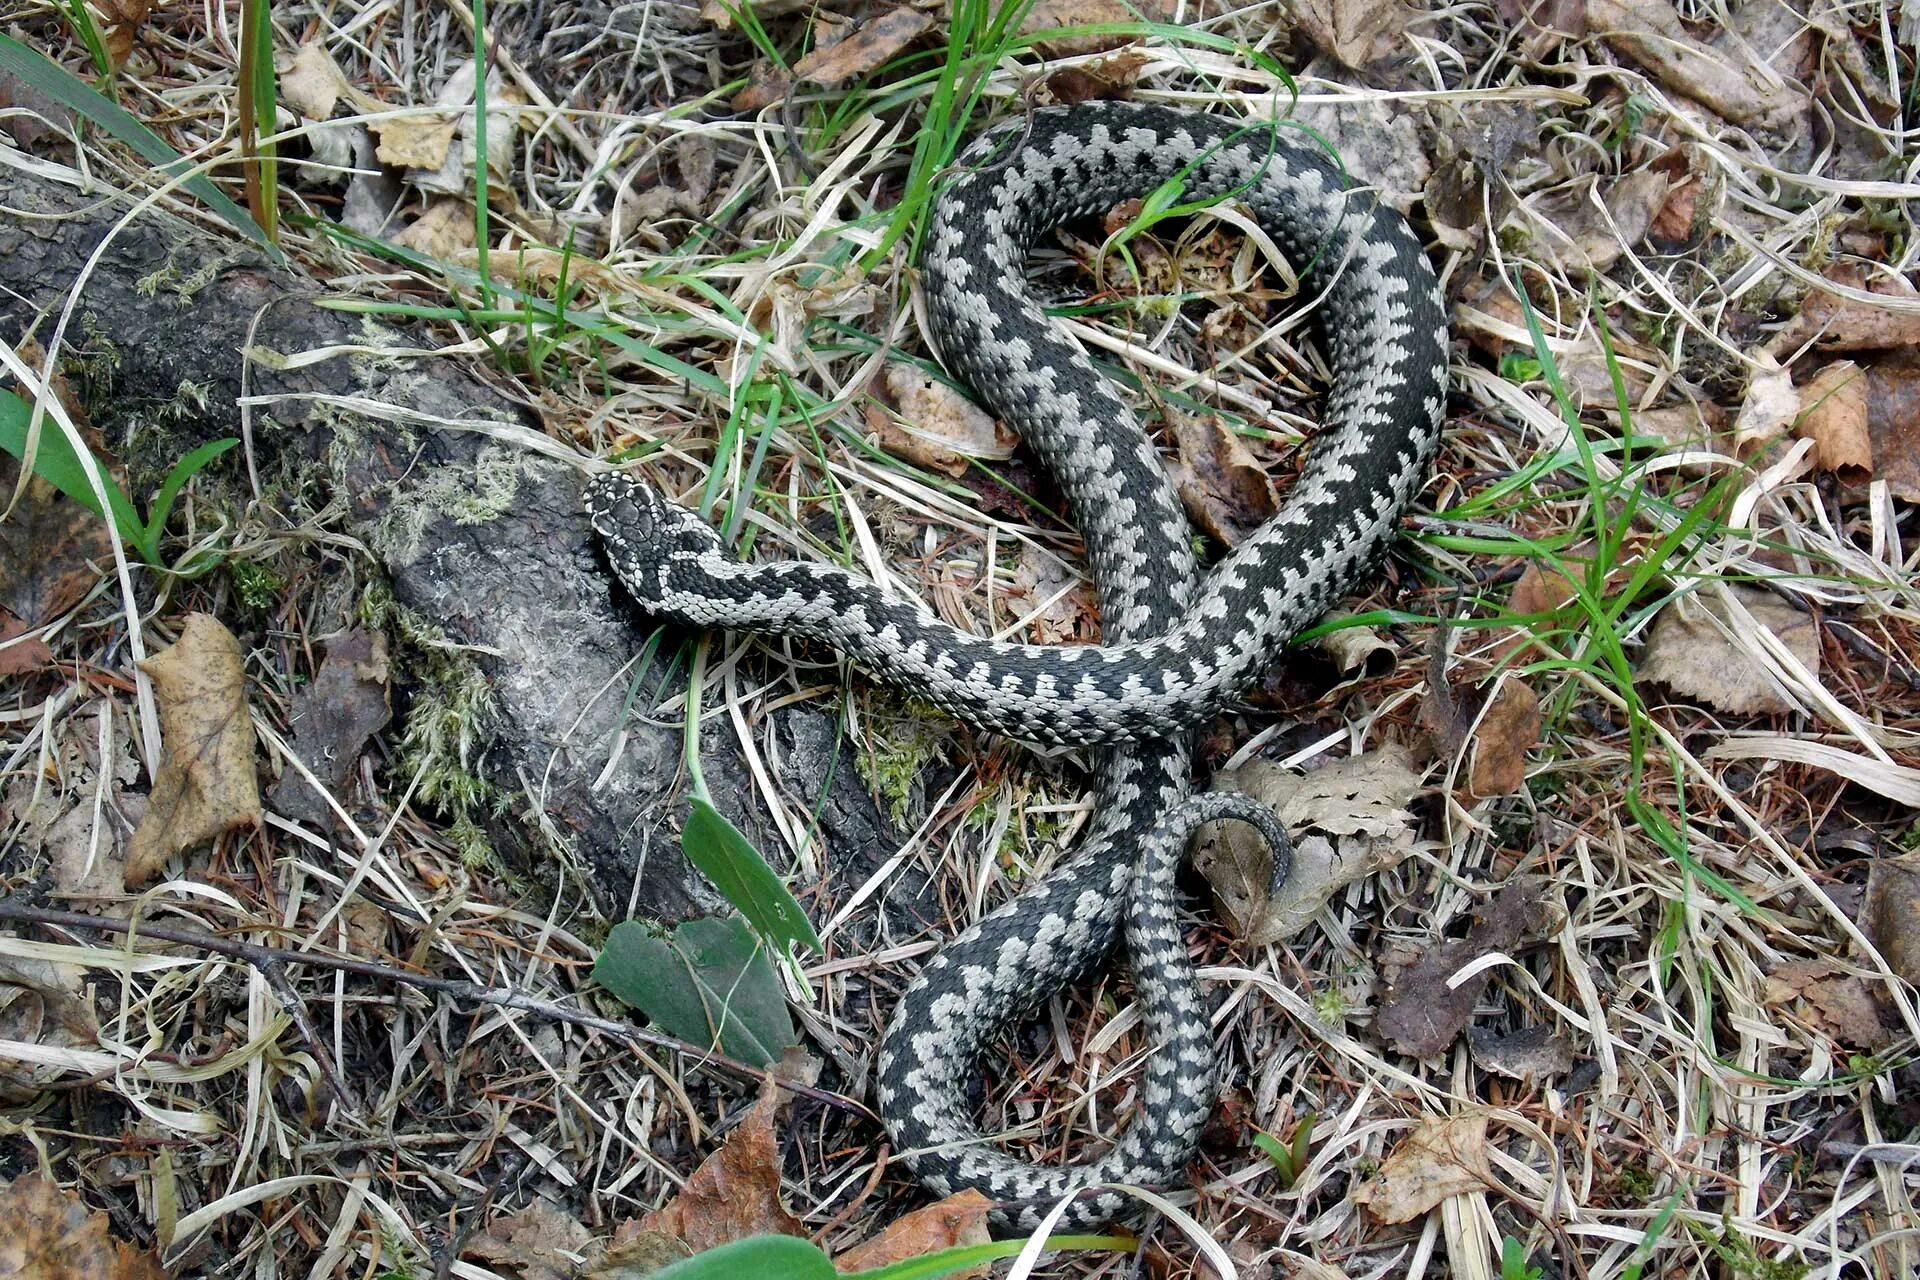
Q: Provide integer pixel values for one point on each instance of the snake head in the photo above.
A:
(645, 535)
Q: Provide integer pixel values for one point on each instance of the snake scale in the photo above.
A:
(1175, 646)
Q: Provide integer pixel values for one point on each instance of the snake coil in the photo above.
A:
(1175, 647)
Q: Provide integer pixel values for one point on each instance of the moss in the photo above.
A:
(257, 584)
(904, 743)
(466, 495)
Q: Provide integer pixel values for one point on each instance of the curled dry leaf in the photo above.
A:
(206, 784)
(1422, 1011)
(1891, 917)
(331, 720)
(1581, 239)
(1109, 78)
(1349, 821)
(47, 1233)
(539, 1242)
(1836, 322)
(1445, 1157)
(1226, 492)
(1771, 405)
(1358, 652)
(938, 427)
(734, 1193)
(959, 1219)
(1691, 651)
(1832, 1001)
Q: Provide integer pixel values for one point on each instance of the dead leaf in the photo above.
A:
(444, 231)
(735, 1192)
(1358, 652)
(28, 115)
(872, 43)
(1509, 729)
(312, 82)
(1349, 819)
(47, 1233)
(1689, 650)
(20, 653)
(1891, 914)
(1058, 15)
(1109, 78)
(1421, 1013)
(1893, 423)
(1445, 1157)
(1226, 492)
(1057, 603)
(415, 141)
(1580, 238)
(41, 1003)
(1527, 1055)
(49, 549)
(1356, 32)
(88, 861)
(124, 20)
(1651, 34)
(1835, 419)
(1836, 322)
(959, 1219)
(719, 13)
(206, 784)
(937, 427)
(1380, 146)
(538, 1243)
(1771, 405)
(1832, 1001)
(330, 721)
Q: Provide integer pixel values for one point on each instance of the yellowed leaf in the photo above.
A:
(206, 785)
(1445, 1157)
(444, 231)
(312, 82)
(1690, 651)
(1834, 1002)
(938, 427)
(47, 1233)
(416, 141)
(1356, 32)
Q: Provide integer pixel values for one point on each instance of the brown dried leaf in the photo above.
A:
(1651, 34)
(1226, 492)
(1835, 419)
(1057, 15)
(1891, 915)
(735, 1192)
(1509, 729)
(1445, 1157)
(959, 1219)
(1356, 32)
(1421, 1013)
(1361, 803)
(1527, 1055)
(1832, 1001)
(20, 653)
(124, 20)
(1108, 78)
(1893, 423)
(538, 1243)
(417, 141)
(42, 1003)
(331, 720)
(206, 784)
(47, 1233)
(443, 231)
(871, 44)
(1061, 602)
(48, 549)
(938, 427)
(1772, 404)
(1586, 241)
(1690, 652)
(312, 82)
(1835, 322)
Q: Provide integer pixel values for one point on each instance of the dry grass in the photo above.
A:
(1706, 1130)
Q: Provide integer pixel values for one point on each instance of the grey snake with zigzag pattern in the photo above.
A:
(1176, 646)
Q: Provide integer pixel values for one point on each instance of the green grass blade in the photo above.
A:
(41, 73)
(55, 462)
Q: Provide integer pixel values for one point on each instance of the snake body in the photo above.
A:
(1174, 649)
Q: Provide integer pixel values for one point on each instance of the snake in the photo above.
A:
(1176, 646)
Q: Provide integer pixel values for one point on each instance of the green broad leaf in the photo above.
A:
(760, 1257)
(710, 984)
(49, 77)
(736, 868)
(55, 462)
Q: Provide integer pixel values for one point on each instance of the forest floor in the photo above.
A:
(1601, 952)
